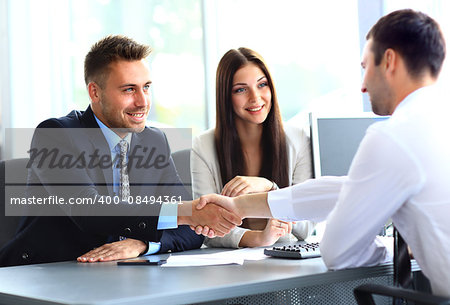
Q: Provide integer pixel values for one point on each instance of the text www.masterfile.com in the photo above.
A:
(97, 199)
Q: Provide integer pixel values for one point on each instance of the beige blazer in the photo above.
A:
(206, 178)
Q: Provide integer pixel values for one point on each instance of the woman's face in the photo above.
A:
(251, 95)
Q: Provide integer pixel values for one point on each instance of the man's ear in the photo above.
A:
(390, 60)
(94, 91)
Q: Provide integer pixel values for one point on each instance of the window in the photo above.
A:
(48, 41)
(311, 48)
(173, 29)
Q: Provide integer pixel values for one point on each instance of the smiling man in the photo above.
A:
(133, 202)
(401, 169)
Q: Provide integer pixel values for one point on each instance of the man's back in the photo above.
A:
(420, 126)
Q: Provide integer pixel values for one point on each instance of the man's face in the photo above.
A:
(124, 100)
(375, 83)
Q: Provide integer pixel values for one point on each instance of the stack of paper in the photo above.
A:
(220, 258)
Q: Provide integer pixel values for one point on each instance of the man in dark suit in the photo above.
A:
(107, 155)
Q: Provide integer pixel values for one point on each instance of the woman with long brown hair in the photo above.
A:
(249, 150)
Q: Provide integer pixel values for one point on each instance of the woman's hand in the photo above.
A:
(272, 232)
(240, 185)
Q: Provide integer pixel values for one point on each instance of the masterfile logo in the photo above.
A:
(75, 172)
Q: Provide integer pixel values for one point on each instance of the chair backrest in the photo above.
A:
(182, 160)
(17, 173)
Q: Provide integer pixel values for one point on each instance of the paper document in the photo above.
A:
(220, 258)
(248, 254)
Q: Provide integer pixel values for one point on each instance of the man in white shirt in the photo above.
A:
(402, 167)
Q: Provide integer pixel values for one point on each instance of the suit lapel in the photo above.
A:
(98, 142)
(141, 177)
(133, 172)
(136, 141)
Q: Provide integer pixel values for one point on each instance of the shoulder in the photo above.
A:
(296, 137)
(154, 132)
(204, 147)
(71, 120)
(62, 130)
(204, 141)
(154, 136)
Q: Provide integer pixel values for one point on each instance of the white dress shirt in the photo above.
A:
(206, 177)
(401, 170)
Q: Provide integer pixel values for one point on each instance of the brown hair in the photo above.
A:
(274, 165)
(416, 36)
(108, 50)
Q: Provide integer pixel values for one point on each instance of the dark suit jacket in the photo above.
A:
(49, 239)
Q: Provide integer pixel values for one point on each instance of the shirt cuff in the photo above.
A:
(279, 202)
(153, 248)
(168, 216)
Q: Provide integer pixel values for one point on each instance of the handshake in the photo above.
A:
(210, 215)
(216, 215)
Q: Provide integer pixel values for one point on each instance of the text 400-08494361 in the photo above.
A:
(141, 200)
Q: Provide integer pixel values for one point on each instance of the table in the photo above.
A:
(268, 281)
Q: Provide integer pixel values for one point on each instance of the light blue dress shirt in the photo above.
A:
(168, 213)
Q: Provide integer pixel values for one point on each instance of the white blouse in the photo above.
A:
(206, 177)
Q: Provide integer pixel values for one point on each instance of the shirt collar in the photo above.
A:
(415, 94)
(111, 137)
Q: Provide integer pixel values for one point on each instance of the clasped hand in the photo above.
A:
(213, 219)
(239, 185)
(228, 209)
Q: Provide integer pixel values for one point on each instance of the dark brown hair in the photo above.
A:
(108, 50)
(416, 36)
(274, 165)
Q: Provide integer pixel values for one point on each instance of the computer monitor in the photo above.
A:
(335, 140)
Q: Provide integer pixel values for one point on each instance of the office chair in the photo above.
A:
(363, 293)
(17, 173)
(182, 160)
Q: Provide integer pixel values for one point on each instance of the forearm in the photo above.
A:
(251, 239)
(311, 200)
(253, 205)
(180, 239)
(231, 240)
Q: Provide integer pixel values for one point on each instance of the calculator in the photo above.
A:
(298, 251)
